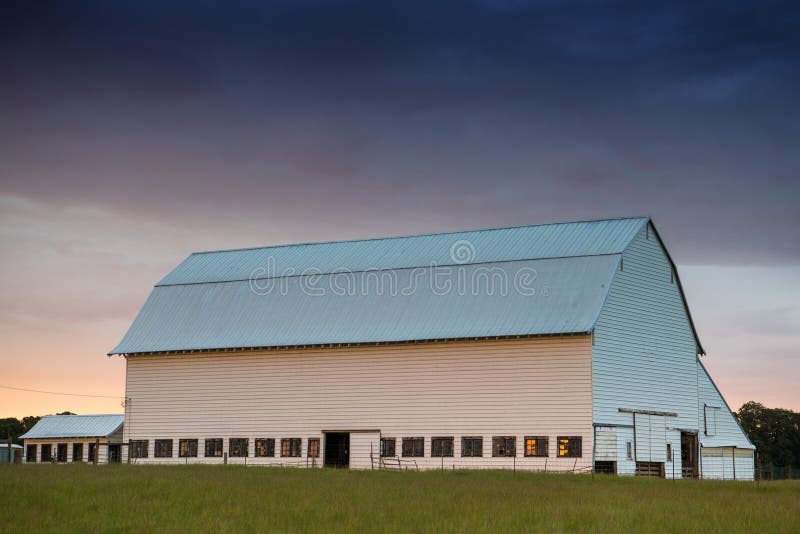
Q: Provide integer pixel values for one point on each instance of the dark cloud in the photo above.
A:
(366, 118)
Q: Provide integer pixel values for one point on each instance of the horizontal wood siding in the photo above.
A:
(102, 456)
(522, 387)
(644, 353)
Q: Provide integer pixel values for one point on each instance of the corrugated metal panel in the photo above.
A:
(413, 304)
(480, 246)
(75, 426)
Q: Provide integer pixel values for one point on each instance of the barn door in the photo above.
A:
(651, 437)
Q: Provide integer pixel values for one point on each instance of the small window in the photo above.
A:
(265, 447)
(536, 446)
(92, 456)
(138, 448)
(711, 420)
(504, 446)
(238, 447)
(291, 447)
(187, 448)
(630, 450)
(472, 446)
(669, 452)
(442, 447)
(61, 452)
(414, 447)
(47, 453)
(30, 454)
(388, 447)
(163, 448)
(313, 447)
(77, 452)
(214, 447)
(569, 446)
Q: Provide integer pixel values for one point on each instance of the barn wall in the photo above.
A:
(644, 354)
(539, 386)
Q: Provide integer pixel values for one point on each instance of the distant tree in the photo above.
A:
(66, 413)
(29, 421)
(11, 427)
(774, 431)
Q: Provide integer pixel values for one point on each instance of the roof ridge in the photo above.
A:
(84, 415)
(385, 238)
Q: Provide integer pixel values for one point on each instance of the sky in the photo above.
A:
(133, 133)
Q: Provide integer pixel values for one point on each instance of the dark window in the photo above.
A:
(187, 448)
(472, 446)
(61, 451)
(138, 448)
(535, 446)
(388, 447)
(291, 447)
(214, 447)
(414, 447)
(605, 468)
(237, 447)
(92, 451)
(504, 446)
(47, 453)
(569, 446)
(313, 448)
(442, 447)
(163, 448)
(669, 452)
(30, 454)
(265, 447)
(77, 452)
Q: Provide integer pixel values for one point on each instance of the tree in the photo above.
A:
(11, 426)
(774, 431)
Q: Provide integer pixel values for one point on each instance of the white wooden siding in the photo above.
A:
(362, 444)
(718, 463)
(538, 386)
(726, 431)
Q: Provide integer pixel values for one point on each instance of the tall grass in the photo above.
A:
(232, 498)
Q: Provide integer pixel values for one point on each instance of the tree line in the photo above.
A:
(774, 431)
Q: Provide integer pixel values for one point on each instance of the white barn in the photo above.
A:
(558, 347)
(75, 438)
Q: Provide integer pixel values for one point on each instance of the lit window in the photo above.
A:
(569, 446)
(504, 446)
(536, 446)
(313, 447)
(441, 447)
(291, 447)
(187, 448)
(265, 447)
(214, 447)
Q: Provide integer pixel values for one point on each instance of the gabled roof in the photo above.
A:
(75, 426)
(268, 297)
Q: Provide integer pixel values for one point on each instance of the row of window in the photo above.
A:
(61, 452)
(237, 448)
(472, 446)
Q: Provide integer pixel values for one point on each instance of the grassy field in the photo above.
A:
(219, 498)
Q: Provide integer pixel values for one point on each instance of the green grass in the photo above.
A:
(233, 498)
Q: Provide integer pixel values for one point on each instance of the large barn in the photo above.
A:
(558, 347)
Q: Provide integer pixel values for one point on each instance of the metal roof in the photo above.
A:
(543, 296)
(558, 240)
(75, 426)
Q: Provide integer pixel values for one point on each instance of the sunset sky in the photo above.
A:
(132, 134)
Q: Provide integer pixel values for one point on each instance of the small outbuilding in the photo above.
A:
(75, 438)
(16, 453)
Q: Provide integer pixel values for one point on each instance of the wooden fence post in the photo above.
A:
(95, 460)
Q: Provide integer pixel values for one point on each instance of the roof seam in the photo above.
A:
(411, 236)
(385, 269)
